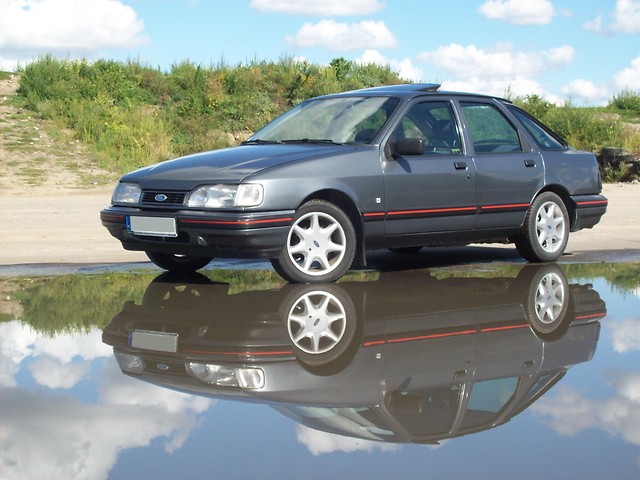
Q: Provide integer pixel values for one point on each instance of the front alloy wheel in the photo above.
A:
(323, 327)
(320, 246)
(546, 229)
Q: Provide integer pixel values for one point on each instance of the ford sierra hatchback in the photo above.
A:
(398, 167)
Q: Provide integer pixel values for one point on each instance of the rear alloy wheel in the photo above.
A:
(178, 263)
(320, 247)
(546, 229)
(548, 300)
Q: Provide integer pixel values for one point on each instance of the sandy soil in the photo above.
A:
(63, 226)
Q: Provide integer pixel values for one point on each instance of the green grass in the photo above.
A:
(132, 115)
(588, 129)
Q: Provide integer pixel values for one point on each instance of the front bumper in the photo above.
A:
(587, 211)
(227, 234)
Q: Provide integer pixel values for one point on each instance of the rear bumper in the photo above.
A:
(228, 234)
(588, 209)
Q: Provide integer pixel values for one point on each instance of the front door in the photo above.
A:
(434, 191)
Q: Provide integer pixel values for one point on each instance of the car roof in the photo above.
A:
(412, 90)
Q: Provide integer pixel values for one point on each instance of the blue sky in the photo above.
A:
(560, 49)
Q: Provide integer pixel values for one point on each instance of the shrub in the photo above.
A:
(626, 100)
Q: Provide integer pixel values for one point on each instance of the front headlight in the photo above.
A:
(126, 192)
(227, 376)
(225, 196)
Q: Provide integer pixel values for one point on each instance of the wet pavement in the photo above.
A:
(445, 370)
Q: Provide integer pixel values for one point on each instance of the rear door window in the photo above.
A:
(488, 399)
(489, 129)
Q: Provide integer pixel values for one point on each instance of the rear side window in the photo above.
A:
(545, 138)
(490, 130)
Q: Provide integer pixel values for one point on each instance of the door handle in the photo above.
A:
(529, 163)
(460, 165)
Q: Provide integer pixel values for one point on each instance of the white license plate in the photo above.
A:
(156, 341)
(153, 226)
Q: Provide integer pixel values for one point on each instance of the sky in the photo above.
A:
(563, 50)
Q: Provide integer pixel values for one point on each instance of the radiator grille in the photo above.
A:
(160, 197)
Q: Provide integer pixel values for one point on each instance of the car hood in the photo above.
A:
(230, 165)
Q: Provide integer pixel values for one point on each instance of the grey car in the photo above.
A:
(405, 358)
(398, 167)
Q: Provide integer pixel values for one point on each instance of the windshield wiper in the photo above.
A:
(324, 141)
(259, 141)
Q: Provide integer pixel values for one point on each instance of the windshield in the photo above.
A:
(333, 119)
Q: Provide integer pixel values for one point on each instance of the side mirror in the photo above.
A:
(409, 146)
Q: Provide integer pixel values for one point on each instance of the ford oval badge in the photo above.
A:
(161, 197)
(162, 366)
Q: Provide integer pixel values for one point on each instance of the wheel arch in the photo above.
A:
(348, 206)
(564, 195)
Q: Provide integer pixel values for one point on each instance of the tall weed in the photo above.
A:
(626, 100)
(134, 115)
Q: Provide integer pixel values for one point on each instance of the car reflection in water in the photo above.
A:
(406, 358)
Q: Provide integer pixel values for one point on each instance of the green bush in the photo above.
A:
(583, 128)
(626, 100)
(134, 115)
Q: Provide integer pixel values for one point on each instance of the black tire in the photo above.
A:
(323, 327)
(174, 289)
(546, 229)
(178, 263)
(320, 247)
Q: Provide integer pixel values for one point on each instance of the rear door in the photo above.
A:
(509, 171)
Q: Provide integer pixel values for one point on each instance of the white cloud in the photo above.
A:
(52, 373)
(344, 36)
(65, 347)
(20, 342)
(569, 413)
(117, 389)
(500, 62)
(16, 344)
(53, 436)
(318, 442)
(595, 25)
(500, 70)
(531, 12)
(514, 86)
(586, 91)
(625, 18)
(629, 78)
(405, 67)
(29, 28)
(327, 8)
(625, 335)
(60, 437)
